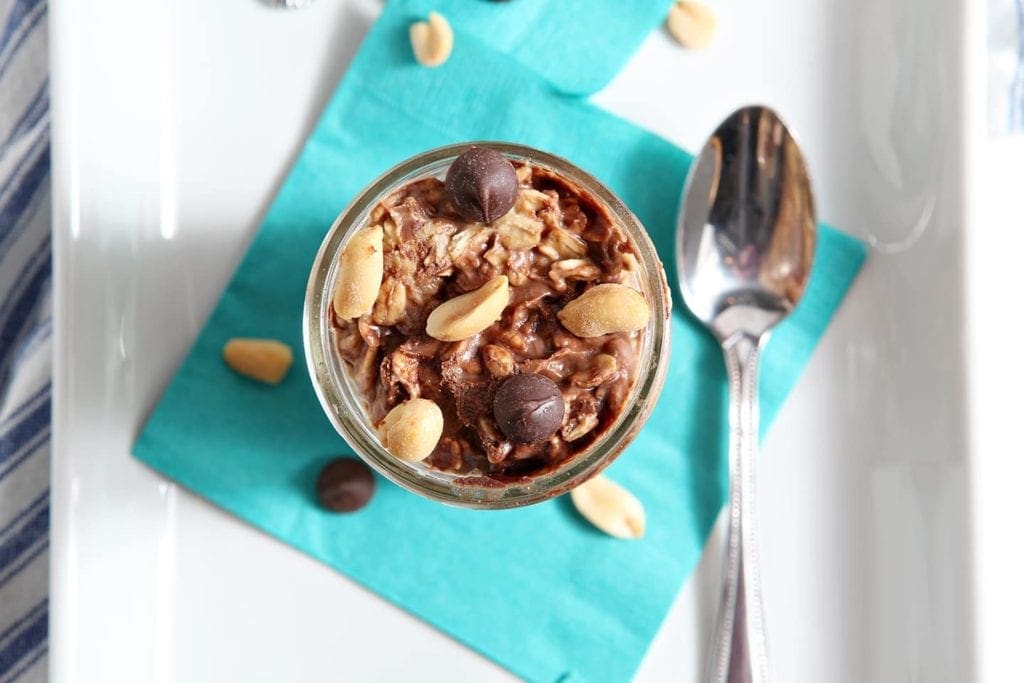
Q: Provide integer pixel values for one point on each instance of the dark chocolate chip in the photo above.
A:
(482, 185)
(528, 408)
(345, 485)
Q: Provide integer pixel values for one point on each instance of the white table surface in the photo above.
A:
(174, 123)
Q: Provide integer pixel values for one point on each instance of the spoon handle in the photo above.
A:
(739, 653)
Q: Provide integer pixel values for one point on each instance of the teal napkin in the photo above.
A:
(535, 589)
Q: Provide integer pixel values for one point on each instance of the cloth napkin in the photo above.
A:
(25, 340)
(535, 589)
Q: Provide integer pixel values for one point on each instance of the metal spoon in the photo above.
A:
(744, 246)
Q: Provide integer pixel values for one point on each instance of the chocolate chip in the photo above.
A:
(528, 408)
(345, 485)
(482, 185)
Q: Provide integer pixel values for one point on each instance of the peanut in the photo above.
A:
(412, 429)
(610, 507)
(432, 40)
(463, 316)
(265, 360)
(604, 309)
(360, 272)
(692, 24)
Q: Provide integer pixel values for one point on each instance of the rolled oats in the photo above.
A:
(554, 245)
(391, 303)
(498, 361)
(578, 269)
(603, 368)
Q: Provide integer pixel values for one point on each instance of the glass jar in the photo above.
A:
(345, 405)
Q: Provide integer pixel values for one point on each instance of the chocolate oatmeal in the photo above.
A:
(508, 300)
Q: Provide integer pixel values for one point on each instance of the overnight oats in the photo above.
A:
(487, 325)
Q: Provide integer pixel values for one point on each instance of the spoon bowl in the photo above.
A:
(744, 244)
(747, 232)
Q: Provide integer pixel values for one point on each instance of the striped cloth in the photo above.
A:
(25, 330)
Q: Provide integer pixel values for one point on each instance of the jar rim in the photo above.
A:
(345, 406)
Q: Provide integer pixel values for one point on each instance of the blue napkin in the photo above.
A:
(535, 589)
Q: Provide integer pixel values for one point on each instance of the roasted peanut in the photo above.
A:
(692, 24)
(265, 360)
(432, 40)
(605, 309)
(412, 429)
(360, 272)
(465, 315)
(610, 507)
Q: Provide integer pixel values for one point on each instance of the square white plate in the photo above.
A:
(174, 122)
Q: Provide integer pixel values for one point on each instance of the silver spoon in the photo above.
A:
(744, 246)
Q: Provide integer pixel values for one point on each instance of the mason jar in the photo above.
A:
(346, 407)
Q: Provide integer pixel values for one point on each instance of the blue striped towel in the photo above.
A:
(25, 330)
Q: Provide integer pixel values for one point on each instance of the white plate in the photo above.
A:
(174, 121)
